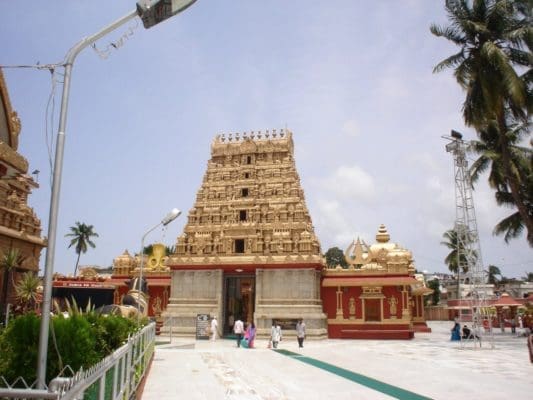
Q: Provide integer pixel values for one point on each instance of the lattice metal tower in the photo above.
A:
(469, 259)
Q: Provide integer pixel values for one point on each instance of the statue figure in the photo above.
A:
(351, 307)
(393, 301)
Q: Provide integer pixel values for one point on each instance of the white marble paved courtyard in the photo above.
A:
(430, 366)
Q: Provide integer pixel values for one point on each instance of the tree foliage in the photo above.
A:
(82, 340)
(27, 292)
(335, 256)
(456, 256)
(10, 261)
(435, 296)
(494, 68)
(81, 235)
(495, 275)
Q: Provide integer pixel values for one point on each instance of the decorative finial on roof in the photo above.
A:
(382, 236)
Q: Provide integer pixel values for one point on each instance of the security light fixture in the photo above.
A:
(153, 12)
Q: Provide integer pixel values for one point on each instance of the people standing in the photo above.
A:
(214, 326)
(238, 328)
(275, 334)
(456, 331)
(231, 321)
(250, 333)
(300, 332)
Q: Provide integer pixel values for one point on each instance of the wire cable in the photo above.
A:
(106, 52)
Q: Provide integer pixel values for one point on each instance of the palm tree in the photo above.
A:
(494, 271)
(10, 261)
(528, 277)
(27, 290)
(494, 37)
(490, 157)
(456, 257)
(81, 237)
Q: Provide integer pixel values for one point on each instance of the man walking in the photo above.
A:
(238, 329)
(275, 334)
(300, 332)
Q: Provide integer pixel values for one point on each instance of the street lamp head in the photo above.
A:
(171, 216)
(456, 135)
(153, 12)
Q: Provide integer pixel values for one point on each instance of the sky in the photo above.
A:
(351, 79)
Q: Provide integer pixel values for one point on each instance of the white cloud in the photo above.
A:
(393, 88)
(351, 182)
(351, 128)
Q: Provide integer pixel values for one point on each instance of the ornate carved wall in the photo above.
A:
(19, 226)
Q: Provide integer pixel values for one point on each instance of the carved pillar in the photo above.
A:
(339, 303)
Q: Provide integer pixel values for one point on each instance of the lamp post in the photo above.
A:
(171, 216)
(151, 12)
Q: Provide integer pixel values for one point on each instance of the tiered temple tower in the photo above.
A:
(248, 249)
(20, 228)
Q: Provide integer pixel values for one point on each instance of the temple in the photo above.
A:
(248, 249)
(20, 229)
(378, 296)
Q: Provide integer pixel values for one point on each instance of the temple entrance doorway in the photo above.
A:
(239, 300)
(372, 310)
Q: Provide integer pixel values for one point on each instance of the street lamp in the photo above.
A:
(151, 12)
(171, 216)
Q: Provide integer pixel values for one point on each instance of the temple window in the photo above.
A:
(244, 192)
(242, 215)
(248, 159)
(239, 245)
(246, 175)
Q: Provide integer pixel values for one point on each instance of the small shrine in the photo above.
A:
(377, 296)
(100, 291)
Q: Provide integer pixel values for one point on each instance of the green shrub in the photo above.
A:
(76, 342)
(19, 347)
(82, 341)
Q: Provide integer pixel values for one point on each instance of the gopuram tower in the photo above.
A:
(248, 249)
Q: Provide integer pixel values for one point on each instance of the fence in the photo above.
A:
(437, 313)
(116, 377)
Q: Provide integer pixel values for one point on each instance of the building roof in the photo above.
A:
(506, 300)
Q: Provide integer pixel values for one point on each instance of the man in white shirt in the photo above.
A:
(238, 328)
(214, 326)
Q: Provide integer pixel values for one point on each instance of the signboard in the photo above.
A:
(81, 284)
(286, 324)
(202, 326)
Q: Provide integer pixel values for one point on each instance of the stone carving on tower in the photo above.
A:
(20, 228)
(250, 204)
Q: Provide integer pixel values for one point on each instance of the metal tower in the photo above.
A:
(469, 257)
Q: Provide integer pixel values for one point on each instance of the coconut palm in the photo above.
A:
(494, 272)
(457, 254)
(27, 291)
(10, 261)
(490, 159)
(456, 260)
(495, 39)
(81, 235)
(528, 277)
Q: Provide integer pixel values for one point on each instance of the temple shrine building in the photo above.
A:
(20, 228)
(249, 251)
(378, 296)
